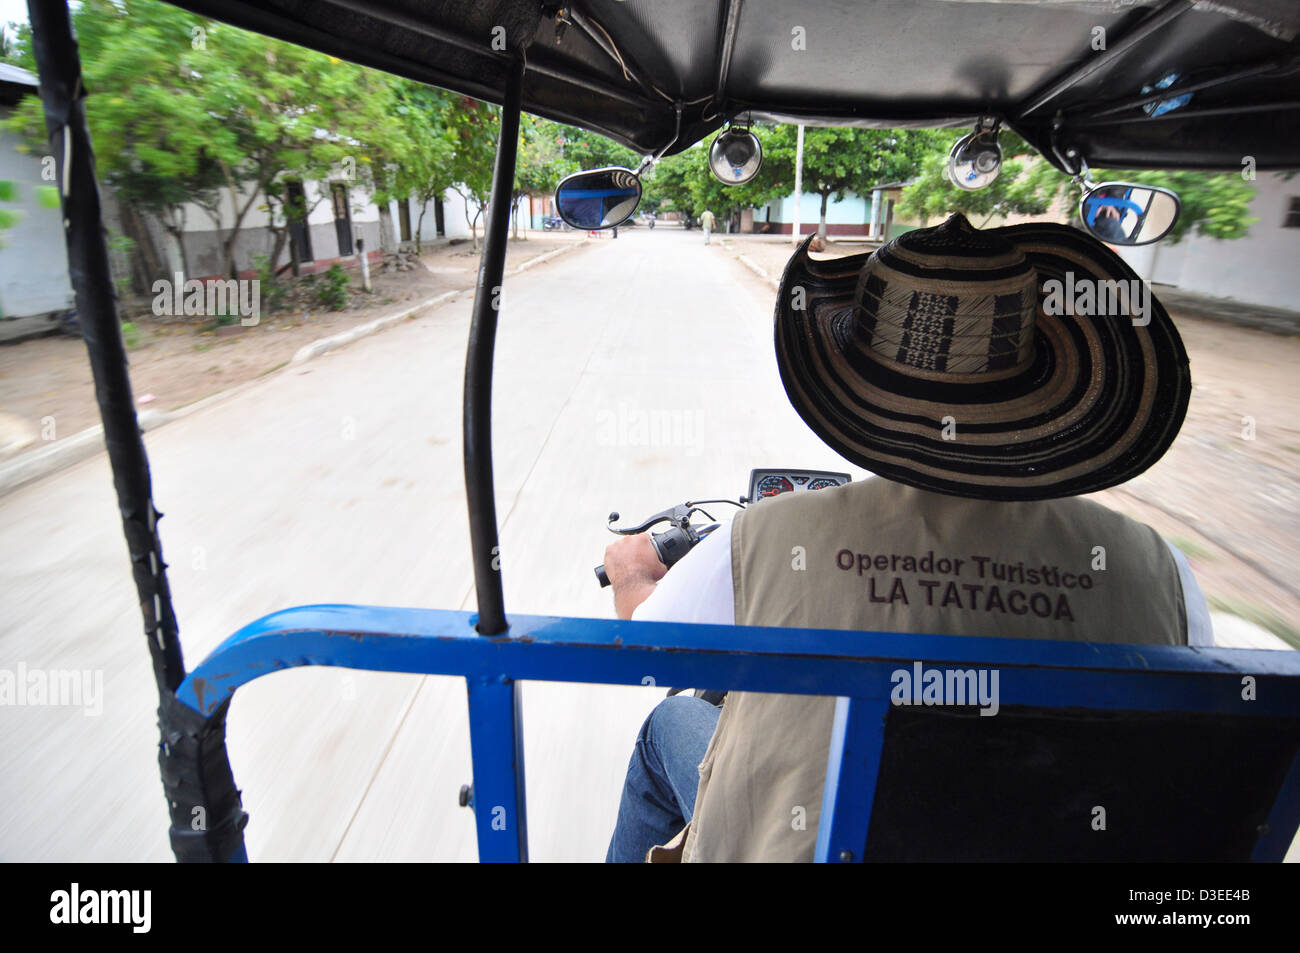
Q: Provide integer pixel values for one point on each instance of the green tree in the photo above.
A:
(414, 157)
(286, 113)
(476, 127)
(683, 182)
(1026, 185)
(1214, 204)
(183, 109)
(151, 134)
(837, 161)
(8, 217)
(590, 150)
(542, 162)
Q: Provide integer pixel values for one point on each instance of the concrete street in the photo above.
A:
(632, 374)
(341, 481)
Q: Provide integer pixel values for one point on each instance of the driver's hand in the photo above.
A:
(633, 568)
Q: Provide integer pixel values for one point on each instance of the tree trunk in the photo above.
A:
(821, 227)
(146, 264)
(387, 237)
(281, 236)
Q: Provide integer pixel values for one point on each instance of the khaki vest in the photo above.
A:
(877, 555)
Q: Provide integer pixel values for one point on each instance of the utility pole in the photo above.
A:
(798, 182)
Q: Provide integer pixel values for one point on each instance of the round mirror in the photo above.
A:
(601, 198)
(1123, 213)
(975, 160)
(735, 157)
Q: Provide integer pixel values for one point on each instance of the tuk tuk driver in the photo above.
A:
(939, 364)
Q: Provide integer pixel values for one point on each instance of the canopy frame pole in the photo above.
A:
(204, 805)
(1079, 72)
(477, 408)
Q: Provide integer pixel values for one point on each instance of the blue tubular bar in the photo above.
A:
(495, 725)
(1282, 820)
(857, 738)
(744, 658)
(857, 667)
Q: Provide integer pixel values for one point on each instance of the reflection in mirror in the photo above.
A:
(975, 160)
(601, 198)
(1123, 213)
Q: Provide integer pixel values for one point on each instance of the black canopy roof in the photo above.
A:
(628, 68)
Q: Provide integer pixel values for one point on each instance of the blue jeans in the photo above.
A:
(662, 777)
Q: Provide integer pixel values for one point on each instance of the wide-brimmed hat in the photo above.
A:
(1019, 363)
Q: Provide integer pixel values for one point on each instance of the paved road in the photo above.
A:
(632, 374)
(340, 480)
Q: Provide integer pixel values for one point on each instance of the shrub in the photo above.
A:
(272, 289)
(333, 290)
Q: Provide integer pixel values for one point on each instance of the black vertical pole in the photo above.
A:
(478, 368)
(207, 819)
(63, 95)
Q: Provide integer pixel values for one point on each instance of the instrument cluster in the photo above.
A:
(766, 483)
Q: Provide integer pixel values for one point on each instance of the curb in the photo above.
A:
(324, 345)
(35, 464)
(758, 270)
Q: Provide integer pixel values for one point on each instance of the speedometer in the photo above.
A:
(773, 485)
(823, 483)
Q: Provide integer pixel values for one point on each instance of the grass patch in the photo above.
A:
(1191, 549)
(1263, 618)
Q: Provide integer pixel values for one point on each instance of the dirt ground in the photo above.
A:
(46, 383)
(1228, 491)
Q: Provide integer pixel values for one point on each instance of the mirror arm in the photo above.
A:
(1068, 161)
(650, 160)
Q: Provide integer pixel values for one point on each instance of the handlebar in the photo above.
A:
(670, 546)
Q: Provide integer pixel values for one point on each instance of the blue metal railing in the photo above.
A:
(857, 667)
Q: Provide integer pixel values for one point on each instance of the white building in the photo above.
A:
(341, 217)
(34, 285)
(1262, 268)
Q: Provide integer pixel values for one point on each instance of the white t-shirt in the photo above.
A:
(699, 589)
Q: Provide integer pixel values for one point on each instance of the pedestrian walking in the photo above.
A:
(706, 223)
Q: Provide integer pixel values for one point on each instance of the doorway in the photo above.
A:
(299, 233)
(342, 218)
(404, 219)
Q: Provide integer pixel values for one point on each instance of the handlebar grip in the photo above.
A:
(670, 546)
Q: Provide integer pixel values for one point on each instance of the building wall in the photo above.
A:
(853, 210)
(203, 240)
(1257, 269)
(34, 260)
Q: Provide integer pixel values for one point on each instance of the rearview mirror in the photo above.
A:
(1123, 213)
(601, 198)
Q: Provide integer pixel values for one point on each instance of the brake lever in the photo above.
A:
(675, 542)
(678, 516)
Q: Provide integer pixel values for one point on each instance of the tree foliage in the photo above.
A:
(1213, 204)
(1026, 185)
(187, 110)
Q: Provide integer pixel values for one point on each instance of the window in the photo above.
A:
(1292, 219)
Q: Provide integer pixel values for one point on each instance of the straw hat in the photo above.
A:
(1018, 363)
